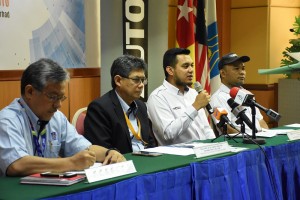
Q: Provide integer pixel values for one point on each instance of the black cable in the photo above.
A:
(268, 165)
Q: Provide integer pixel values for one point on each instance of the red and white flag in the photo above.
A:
(197, 31)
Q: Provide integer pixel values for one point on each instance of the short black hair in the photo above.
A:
(124, 65)
(170, 57)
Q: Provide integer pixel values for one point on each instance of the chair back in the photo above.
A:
(78, 120)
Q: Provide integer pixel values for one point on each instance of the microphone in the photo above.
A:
(241, 96)
(198, 87)
(244, 97)
(239, 112)
(220, 114)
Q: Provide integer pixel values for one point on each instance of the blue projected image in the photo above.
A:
(62, 36)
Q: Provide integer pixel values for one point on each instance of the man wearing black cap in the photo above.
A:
(233, 74)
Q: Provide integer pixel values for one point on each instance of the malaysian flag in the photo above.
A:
(197, 31)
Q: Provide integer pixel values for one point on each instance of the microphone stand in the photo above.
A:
(224, 131)
(254, 139)
(243, 129)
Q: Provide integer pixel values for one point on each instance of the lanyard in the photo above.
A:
(137, 135)
(39, 148)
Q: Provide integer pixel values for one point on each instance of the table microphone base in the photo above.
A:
(253, 141)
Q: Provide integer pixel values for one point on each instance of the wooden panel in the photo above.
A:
(10, 75)
(224, 21)
(249, 36)
(84, 72)
(9, 91)
(249, 3)
(285, 3)
(82, 92)
(84, 86)
(172, 13)
(263, 87)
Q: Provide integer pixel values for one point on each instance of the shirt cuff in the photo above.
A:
(191, 112)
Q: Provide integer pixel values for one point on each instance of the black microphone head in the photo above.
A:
(198, 87)
(232, 103)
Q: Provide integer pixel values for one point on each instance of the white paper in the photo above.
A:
(180, 151)
(96, 164)
(237, 149)
(211, 149)
(294, 135)
(279, 131)
(267, 133)
(109, 171)
(296, 125)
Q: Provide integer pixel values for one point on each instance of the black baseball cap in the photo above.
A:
(231, 58)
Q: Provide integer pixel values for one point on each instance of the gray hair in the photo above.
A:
(124, 65)
(41, 73)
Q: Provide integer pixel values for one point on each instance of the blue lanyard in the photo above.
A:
(39, 148)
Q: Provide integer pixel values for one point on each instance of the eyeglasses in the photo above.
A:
(138, 80)
(55, 98)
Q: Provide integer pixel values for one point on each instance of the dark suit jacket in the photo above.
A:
(105, 123)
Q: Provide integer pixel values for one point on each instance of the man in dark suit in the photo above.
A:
(119, 120)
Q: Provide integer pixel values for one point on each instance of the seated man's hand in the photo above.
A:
(83, 159)
(113, 156)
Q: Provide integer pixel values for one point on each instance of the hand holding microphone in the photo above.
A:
(202, 99)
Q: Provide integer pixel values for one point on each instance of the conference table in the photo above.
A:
(269, 172)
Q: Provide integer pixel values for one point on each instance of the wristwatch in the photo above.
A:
(108, 150)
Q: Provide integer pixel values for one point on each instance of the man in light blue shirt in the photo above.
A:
(36, 137)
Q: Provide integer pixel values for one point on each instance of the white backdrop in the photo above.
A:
(34, 29)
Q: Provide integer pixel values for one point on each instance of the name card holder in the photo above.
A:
(109, 171)
(211, 149)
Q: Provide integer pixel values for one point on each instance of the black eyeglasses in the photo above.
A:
(138, 80)
(55, 98)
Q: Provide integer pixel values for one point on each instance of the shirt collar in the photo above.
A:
(33, 118)
(224, 88)
(173, 89)
(125, 106)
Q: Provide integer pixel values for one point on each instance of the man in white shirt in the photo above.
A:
(233, 74)
(175, 109)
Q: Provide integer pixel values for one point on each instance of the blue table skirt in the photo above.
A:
(172, 184)
(247, 175)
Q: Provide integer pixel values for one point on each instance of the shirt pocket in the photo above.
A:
(53, 149)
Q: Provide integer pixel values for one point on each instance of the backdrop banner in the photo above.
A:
(135, 31)
(32, 29)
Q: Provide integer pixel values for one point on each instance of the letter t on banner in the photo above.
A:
(135, 31)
